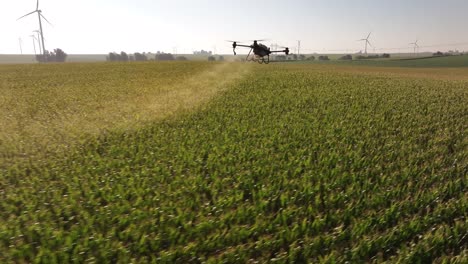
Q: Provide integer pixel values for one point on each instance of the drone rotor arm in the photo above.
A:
(235, 45)
(245, 46)
(286, 51)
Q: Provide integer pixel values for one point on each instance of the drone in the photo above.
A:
(261, 52)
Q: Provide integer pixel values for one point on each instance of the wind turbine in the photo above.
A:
(34, 43)
(416, 46)
(40, 16)
(367, 42)
(20, 41)
(38, 39)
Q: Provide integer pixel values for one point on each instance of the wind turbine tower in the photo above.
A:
(416, 47)
(367, 42)
(20, 41)
(40, 16)
(298, 47)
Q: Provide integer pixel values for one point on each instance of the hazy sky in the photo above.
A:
(101, 26)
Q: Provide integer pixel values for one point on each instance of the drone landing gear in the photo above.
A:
(263, 60)
(260, 60)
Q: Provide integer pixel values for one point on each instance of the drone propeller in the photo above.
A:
(258, 40)
(234, 45)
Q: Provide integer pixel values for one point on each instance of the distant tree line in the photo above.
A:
(346, 57)
(57, 55)
(140, 57)
(290, 57)
(449, 53)
(123, 56)
(376, 56)
(160, 56)
(323, 58)
(164, 57)
(202, 52)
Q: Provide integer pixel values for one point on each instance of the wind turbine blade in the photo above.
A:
(368, 42)
(46, 19)
(27, 15)
(37, 6)
(369, 35)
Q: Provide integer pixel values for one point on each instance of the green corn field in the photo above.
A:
(198, 162)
